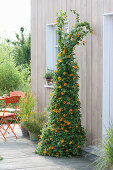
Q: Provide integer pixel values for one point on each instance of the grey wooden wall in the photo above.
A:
(89, 57)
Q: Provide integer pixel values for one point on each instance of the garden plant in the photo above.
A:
(105, 160)
(64, 134)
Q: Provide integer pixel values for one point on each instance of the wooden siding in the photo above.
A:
(89, 57)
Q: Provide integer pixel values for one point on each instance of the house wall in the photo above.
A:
(89, 57)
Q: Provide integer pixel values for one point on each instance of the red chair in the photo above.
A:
(4, 115)
(17, 93)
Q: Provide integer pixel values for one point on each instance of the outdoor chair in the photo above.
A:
(17, 93)
(8, 117)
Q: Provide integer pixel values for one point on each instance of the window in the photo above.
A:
(52, 49)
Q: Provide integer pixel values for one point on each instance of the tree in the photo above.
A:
(22, 48)
(64, 134)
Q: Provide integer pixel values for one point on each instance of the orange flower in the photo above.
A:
(69, 99)
(62, 93)
(60, 109)
(59, 87)
(68, 102)
(76, 126)
(71, 113)
(68, 123)
(47, 128)
(79, 131)
(76, 110)
(59, 78)
(50, 138)
(69, 35)
(70, 110)
(66, 150)
(58, 67)
(71, 75)
(62, 128)
(78, 146)
(55, 130)
(75, 35)
(81, 137)
(65, 130)
(44, 152)
(64, 52)
(72, 117)
(70, 142)
(75, 66)
(77, 99)
(56, 71)
(65, 84)
(54, 110)
(73, 87)
(60, 60)
(59, 98)
(51, 129)
(84, 42)
(64, 115)
(59, 54)
(64, 102)
(62, 140)
(53, 124)
(63, 125)
(64, 73)
(70, 127)
(44, 140)
(52, 147)
(61, 119)
(68, 56)
(56, 105)
(63, 145)
(77, 84)
(55, 97)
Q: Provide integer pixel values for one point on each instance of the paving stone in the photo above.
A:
(18, 154)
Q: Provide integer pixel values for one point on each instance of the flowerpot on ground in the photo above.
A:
(33, 136)
(25, 132)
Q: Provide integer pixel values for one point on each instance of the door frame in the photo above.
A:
(107, 32)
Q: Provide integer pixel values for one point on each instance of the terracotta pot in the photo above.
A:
(49, 81)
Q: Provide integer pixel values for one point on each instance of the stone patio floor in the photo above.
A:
(18, 154)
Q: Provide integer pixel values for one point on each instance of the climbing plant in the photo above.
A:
(64, 134)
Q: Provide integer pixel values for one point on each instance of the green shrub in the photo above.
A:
(10, 78)
(27, 104)
(105, 160)
(64, 134)
(34, 122)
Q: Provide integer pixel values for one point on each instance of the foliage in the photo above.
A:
(34, 122)
(26, 104)
(21, 47)
(105, 161)
(10, 78)
(1, 158)
(64, 134)
(49, 74)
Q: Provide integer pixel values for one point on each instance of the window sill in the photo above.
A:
(48, 86)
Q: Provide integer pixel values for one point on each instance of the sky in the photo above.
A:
(13, 15)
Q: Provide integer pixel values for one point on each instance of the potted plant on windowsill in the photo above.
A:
(49, 77)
